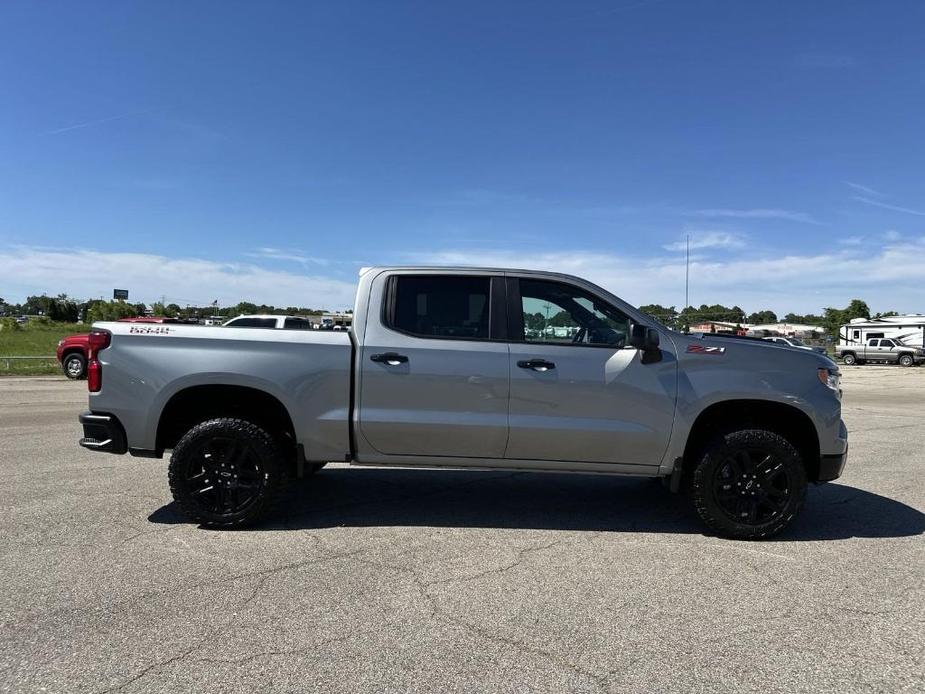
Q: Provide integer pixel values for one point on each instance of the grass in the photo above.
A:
(34, 340)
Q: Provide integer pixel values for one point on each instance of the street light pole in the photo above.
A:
(687, 274)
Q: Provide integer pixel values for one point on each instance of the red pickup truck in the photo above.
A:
(72, 350)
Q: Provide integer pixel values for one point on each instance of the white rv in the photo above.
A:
(910, 329)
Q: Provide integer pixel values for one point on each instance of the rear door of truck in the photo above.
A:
(433, 370)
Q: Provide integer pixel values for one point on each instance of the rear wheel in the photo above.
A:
(226, 472)
(74, 365)
(749, 484)
(849, 359)
(906, 360)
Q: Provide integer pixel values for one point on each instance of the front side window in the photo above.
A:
(558, 313)
(442, 307)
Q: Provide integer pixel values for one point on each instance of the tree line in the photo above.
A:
(62, 308)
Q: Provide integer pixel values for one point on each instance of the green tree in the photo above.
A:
(110, 310)
(664, 314)
(762, 317)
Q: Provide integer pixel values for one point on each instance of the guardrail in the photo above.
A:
(10, 359)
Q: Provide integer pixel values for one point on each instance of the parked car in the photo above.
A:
(269, 321)
(794, 342)
(887, 350)
(439, 371)
(73, 351)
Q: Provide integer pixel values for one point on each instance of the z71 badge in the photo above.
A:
(701, 349)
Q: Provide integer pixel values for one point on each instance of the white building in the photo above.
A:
(788, 329)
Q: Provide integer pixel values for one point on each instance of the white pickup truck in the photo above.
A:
(471, 368)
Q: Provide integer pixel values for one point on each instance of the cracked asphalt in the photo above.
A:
(373, 580)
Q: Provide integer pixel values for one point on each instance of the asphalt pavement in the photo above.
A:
(374, 580)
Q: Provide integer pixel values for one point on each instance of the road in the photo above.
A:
(372, 580)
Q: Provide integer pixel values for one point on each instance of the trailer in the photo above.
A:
(908, 329)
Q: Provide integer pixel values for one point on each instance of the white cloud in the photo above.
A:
(757, 213)
(291, 254)
(707, 239)
(90, 274)
(851, 240)
(864, 189)
(887, 280)
(895, 208)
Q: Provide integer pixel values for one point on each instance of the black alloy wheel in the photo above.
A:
(748, 484)
(226, 472)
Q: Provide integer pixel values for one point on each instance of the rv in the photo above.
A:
(909, 329)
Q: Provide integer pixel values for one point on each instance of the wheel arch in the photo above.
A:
(786, 420)
(198, 403)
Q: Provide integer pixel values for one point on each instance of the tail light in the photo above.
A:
(97, 340)
(94, 376)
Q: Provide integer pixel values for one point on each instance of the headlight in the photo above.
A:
(829, 378)
(60, 342)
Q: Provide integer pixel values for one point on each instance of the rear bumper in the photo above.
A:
(102, 432)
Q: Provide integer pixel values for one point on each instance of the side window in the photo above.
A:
(887, 343)
(857, 334)
(253, 323)
(873, 343)
(446, 306)
(558, 313)
(297, 324)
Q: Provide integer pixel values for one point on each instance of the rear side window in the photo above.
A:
(253, 323)
(443, 307)
(297, 324)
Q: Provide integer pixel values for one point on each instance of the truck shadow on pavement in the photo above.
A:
(475, 499)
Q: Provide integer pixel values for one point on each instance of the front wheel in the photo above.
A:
(906, 360)
(74, 365)
(749, 484)
(226, 472)
(849, 359)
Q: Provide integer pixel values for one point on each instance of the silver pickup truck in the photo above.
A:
(471, 368)
(886, 350)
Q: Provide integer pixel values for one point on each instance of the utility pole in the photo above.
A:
(687, 274)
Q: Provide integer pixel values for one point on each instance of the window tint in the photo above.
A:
(297, 324)
(561, 314)
(253, 323)
(887, 343)
(873, 343)
(442, 306)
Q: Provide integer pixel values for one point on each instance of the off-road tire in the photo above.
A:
(778, 478)
(237, 450)
(906, 360)
(74, 365)
(849, 359)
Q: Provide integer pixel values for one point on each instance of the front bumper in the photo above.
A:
(102, 432)
(831, 466)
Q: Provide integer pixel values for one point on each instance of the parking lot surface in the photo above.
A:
(373, 580)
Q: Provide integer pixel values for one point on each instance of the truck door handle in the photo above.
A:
(390, 358)
(536, 364)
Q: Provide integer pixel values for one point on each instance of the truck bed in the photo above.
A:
(307, 371)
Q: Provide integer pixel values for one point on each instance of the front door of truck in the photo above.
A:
(579, 392)
(434, 381)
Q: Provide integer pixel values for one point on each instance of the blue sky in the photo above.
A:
(266, 151)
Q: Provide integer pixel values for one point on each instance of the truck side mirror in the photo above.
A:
(646, 340)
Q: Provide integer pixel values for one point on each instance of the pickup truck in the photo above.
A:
(880, 349)
(471, 368)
